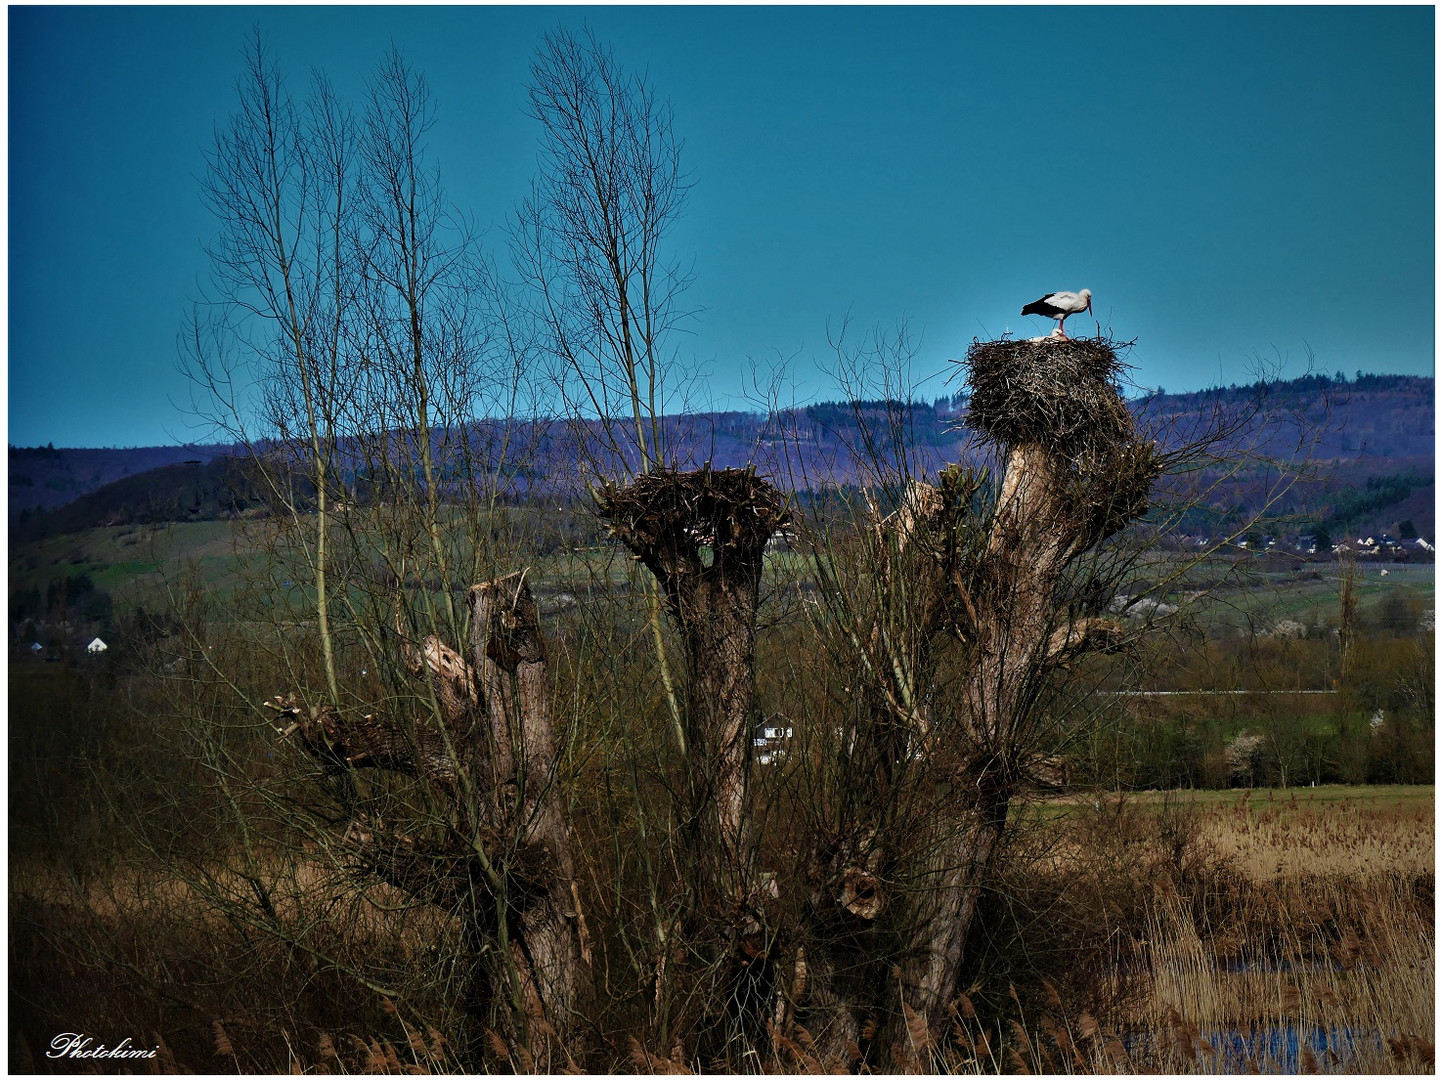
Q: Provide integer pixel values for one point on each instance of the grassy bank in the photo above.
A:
(1165, 931)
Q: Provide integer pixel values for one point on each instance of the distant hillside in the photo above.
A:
(1374, 456)
(42, 477)
(192, 491)
(1374, 417)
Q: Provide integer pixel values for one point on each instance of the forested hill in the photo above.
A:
(1370, 416)
(1377, 434)
(194, 490)
(42, 477)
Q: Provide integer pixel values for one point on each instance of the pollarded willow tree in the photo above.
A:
(703, 534)
(593, 243)
(954, 611)
(382, 432)
(498, 858)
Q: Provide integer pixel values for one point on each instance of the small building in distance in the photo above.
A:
(96, 646)
(768, 742)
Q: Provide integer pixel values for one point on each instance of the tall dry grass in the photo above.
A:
(1296, 833)
(1188, 937)
(131, 951)
(1320, 972)
(1323, 956)
(1268, 933)
(1124, 934)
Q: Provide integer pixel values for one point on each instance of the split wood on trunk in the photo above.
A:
(505, 868)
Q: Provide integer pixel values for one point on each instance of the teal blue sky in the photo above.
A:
(1230, 182)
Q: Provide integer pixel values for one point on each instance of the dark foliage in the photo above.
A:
(218, 488)
(1353, 505)
(44, 477)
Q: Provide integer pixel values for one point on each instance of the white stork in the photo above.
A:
(1060, 305)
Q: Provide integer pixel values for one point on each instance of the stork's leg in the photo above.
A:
(1061, 327)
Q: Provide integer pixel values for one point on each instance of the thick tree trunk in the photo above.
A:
(703, 535)
(506, 869)
(985, 589)
(546, 947)
(1030, 542)
(1075, 472)
(720, 692)
(960, 845)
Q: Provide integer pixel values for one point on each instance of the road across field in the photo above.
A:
(1206, 693)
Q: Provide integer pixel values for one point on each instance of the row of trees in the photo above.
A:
(1286, 749)
(579, 816)
(69, 607)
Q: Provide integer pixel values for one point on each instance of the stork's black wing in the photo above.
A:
(1043, 306)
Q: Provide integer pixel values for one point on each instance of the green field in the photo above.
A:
(133, 561)
(1312, 596)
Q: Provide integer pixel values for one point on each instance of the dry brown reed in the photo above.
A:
(1329, 933)
(1283, 834)
(128, 948)
(1177, 929)
(1263, 933)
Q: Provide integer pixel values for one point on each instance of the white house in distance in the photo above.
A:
(765, 739)
(96, 646)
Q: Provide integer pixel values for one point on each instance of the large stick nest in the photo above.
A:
(1064, 395)
(1060, 393)
(666, 516)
